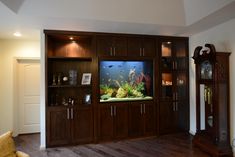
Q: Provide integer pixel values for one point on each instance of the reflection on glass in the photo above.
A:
(206, 106)
(206, 70)
(126, 80)
(167, 85)
(166, 49)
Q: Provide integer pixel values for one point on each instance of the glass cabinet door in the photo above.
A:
(167, 87)
(181, 86)
(180, 56)
(166, 56)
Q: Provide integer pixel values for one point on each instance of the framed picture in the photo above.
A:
(86, 78)
(87, 99)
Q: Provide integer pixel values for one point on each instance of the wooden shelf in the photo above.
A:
(69, 86)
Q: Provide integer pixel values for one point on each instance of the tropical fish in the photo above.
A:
(110, 66)
(109, 80)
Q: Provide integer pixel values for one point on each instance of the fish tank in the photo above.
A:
(125, 80)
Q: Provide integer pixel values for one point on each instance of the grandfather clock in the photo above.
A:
(212, 101)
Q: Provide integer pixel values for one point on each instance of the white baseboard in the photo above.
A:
(192, 132)
(42, 147)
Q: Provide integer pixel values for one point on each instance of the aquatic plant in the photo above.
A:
(121, 93)
(105, 97)
(140, 87)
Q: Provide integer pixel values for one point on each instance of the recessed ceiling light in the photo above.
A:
(71, 38)
(168, 42)
(17, 34)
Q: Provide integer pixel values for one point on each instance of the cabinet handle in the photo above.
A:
(176, 106)
(115, 111)
(68, 113)
(114, 51)
(144, 108)
(143, 51)
(141, 109)
(111, 111)
(71, 113)
(111, 51)
(140, 52)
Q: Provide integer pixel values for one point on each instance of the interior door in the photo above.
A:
(28, 83)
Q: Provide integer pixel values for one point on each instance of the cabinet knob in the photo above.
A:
(115, 111)
(114, 51)
(71, 113)
(111, 51)
(144, 108)
(68, 113)
(141, 109)
(111, 111)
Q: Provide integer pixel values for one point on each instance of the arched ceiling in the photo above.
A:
(160, 17)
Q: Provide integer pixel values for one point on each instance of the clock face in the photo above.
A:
(206, 70)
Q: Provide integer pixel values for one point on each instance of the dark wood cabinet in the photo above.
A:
(108, 45)
(142, 46)
(174, 83)
(58, 126)
(212, 101)
(82, 125)
(69, 119)
(141, 119)
(113, 121)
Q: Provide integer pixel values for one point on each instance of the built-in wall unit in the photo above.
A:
(105, 86)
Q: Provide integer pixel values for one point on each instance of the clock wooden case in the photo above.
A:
(212, 101)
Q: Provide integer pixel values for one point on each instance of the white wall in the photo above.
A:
(10, 49)
(223, 37)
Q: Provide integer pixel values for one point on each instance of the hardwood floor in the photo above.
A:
(176, 145)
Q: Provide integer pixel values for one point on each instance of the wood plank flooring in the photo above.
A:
(176, 145)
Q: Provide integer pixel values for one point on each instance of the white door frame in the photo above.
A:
(16, 61)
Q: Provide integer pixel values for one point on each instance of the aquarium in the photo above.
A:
(126, 80)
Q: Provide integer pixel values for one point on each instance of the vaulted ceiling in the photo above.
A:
(162, 17)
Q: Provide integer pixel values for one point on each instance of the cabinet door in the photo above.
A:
(167, 88)
(119, 46)
(149, 119)
(181, 86)
(104, 45)
(134, 46)
(167, 121)
(82, 125)
(166, 56)
(135, 119)
(182, 111)
(120, 121)
(106, 122)
(180, 55)
(148, 47)
(58, 126)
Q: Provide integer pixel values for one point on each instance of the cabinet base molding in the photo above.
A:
(216, 150)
